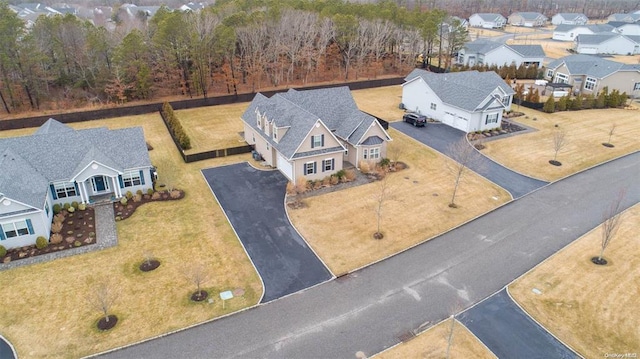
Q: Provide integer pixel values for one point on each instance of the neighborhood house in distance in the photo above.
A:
(488, 52)
(58, 165)
(469, 100)
(313, 133)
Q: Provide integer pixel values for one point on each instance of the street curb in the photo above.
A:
(13, 349)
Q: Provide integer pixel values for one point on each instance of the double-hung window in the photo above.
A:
(590, 83)
(636, 87)
(493, 118)
(131, 178)
(309, 168)
(65, 189)
(327, 165)
(372, 153)
(317, 141)
(16, 229)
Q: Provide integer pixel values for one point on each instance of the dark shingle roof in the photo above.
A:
(528, 50)
(484, 46)
(593, 66)
(467, 90)
(490, 16)
(530, 15)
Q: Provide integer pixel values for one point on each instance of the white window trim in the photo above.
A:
(590, 81)
(564, 80)
(66, 187)
(129, 179)
(317, 141)
(324, 165)
(636, 86)
(550, 74)
(5, 226)
(307, 170)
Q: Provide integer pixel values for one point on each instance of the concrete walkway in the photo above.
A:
(372, 309)
(509, 332)
(440, 137)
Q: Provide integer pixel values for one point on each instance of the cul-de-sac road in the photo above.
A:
(370, 309)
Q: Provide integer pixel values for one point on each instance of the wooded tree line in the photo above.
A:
(235, 45)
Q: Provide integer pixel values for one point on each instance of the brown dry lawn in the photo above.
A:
(381, 101)
(213, 127)
(585, 132)
(432, 344)
(594, 309)
(416, 209)
(552, 48)
(43, 311)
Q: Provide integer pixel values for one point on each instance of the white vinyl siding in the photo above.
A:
(590, 83)
(65, 189)
(493, 118)
(15, 229)
(131, 178)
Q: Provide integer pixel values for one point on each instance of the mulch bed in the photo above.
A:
(606, 144)
(598, 261)
(78, 229)
(555, 163)
(148, 266)
(125, 211)
(103, 324)
(199, 296)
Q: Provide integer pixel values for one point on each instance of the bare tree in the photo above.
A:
(463, 155)
(454, 311)
(380, 197)
(612, 130)
(102, 296)
(559, 141)
(610, 225)
(167, 174)
(196, 273)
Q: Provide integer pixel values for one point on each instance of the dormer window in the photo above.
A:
(275, 133)
(258, 117)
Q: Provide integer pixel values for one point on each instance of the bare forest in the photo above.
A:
(233, 46)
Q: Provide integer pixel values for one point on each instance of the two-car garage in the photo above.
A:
(284, 166)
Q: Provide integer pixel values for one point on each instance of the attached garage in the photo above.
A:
(456, 121)
(284, 166)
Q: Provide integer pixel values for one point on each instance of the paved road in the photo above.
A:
(6, 352)
(439, 137)
(371, 309)
(253, 200)
(509, 332)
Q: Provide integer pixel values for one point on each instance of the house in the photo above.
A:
(191, 6)
(527, 19)
(313, 133)
(589, 74)
(632, 17)
(570, 32)
(626, 28)
(565, 18)
(469, 101)
(58, 165)
(487, 21)
(607, 43)
(488, 52)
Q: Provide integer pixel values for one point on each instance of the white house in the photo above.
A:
(607, 43)
(487, 20)
(58, 165)
(527, 19)
(488, 52)
(469, 101)
(632, 17)
(590, 74)
(565, 18)
(570, 32)
(626, 28)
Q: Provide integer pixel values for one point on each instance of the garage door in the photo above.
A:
(285, 166)
(461, 124)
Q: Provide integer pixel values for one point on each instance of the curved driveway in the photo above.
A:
(439, 137)
(371, 309)
(253, 201)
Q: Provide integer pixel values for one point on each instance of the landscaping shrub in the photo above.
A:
(123, 201)
(326, 182)
(57, 208)
(384, 163)
(82, 206)
(56, 227)
(60, 217)
(137, 198)
(155, 196)
(150, 191)
(3, 251)
(74, 204)
(175, 127)
(66, 206)
(139, 192)
(350, 175)
(129, 195)
(71, 209)
(41, 242)
(364, 167)
(549, 105)
(291, 188)
(334, 180)
(174, 194)
(56, 238)
(340, 174)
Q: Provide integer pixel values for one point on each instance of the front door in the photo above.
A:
(99, 184)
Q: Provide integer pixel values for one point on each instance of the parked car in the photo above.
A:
(415, 119)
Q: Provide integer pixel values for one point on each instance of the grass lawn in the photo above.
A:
(213, 127)
(585, 132)
(432, 344)
(44, 312)
(594, 309)
(381, 101)
(416, 208)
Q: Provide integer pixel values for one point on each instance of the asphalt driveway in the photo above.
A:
(6, 352)
(509, 332)
(253, 201)
(439, 137)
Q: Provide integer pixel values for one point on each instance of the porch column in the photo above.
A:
(83, 192)
(116, 187)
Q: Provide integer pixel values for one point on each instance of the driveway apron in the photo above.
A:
(439, 137)
(509, 332)
(253, 201)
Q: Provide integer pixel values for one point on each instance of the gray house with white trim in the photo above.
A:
(570, 32)
(610, 43)
(469, 100)
(58, 165)
(488, 52)
(313, 133)
(527, 19)
(487, 20)
(567, 18)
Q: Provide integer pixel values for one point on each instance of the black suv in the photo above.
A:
(415, 119)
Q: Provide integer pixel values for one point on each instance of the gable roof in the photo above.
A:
(484, 46)
(489, 16)
(529, 15)
(594, 28)
(599, 38)
(57, 152)
(592, 66)
(20, 181)
(570, 15)
(467, 89)
(625, 17)
(300, 111)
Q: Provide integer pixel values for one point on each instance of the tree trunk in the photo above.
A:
(4, 103)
